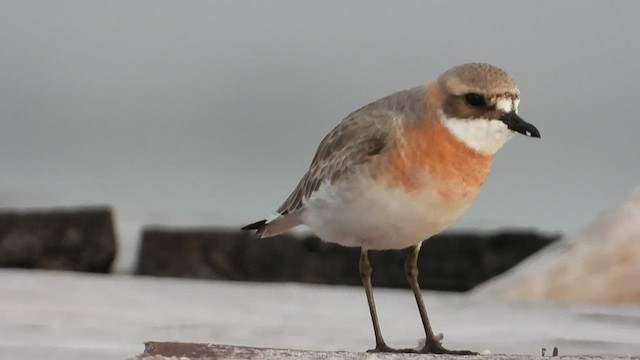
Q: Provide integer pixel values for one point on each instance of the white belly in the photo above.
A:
(378, 218)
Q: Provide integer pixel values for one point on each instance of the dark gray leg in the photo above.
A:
(432, 344)
(365, 275)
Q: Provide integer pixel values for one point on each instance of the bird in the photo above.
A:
(403, 168)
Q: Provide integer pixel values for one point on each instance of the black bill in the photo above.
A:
(517, 124)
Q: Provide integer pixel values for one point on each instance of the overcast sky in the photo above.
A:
(212, 110)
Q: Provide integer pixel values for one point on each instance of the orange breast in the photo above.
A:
(428, 155)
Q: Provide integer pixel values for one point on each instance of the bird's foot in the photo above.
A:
(434, 346)
(384, 348)
(439, 349)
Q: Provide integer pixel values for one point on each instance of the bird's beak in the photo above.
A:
(517, 124)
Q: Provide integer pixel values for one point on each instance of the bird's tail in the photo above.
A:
(259, 226)
(274, 226)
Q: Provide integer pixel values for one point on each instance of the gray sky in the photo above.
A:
(212, 110)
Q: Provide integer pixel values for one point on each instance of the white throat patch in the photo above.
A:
(485, 136)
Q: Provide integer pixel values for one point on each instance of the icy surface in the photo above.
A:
(78, 316)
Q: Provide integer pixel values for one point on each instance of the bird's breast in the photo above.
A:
(429, 158)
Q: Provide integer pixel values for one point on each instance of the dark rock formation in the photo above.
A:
(79, 239)
(454, 261)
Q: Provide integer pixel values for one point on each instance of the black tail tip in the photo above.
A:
(254, 226)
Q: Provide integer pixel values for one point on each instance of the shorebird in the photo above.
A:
(402, 169)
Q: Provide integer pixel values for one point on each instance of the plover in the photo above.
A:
(402, 169)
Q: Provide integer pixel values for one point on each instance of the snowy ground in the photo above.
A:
(57, 315)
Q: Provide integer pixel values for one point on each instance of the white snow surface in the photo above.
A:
(62, 315)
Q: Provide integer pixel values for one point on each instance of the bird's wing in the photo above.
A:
(361, 136)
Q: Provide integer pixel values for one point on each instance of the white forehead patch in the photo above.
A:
(505, 104)
(485, 136)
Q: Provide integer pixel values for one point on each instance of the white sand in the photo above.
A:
(77, 316)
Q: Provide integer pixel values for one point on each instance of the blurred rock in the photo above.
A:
(599, 265)
(78, 239)
(455, 261)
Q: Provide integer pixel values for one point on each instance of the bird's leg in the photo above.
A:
(365, 274)
(432, 343)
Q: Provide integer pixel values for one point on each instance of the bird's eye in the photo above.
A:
(475, 100)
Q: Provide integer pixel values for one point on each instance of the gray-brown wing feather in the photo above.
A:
(333, 166)
(364, 134)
